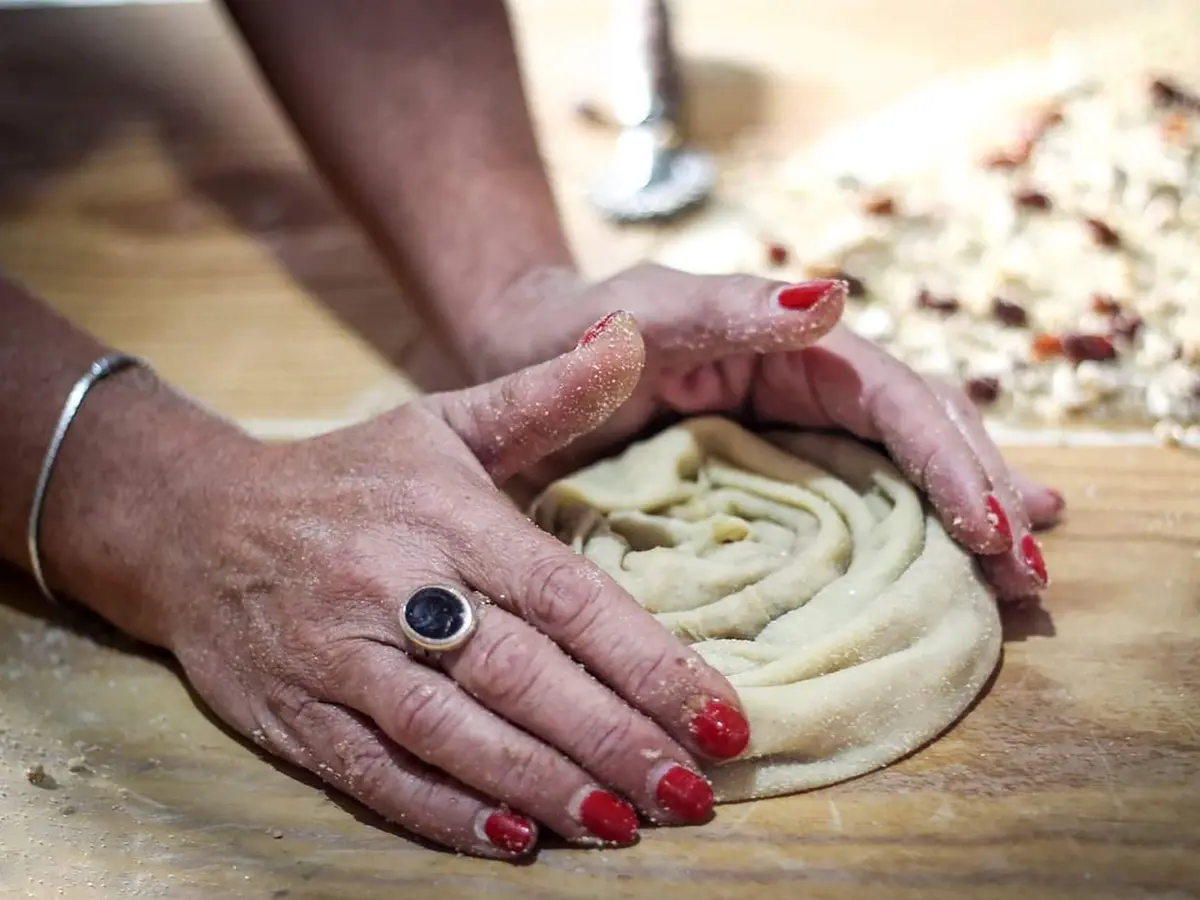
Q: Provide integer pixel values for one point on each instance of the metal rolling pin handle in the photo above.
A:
(654, 174)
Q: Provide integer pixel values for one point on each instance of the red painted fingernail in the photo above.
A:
(720, 730)
(509, 832)
(685, 793)
(594, 332)
(608, 817)
(807, 295)
(998, 519)
(1031, 553)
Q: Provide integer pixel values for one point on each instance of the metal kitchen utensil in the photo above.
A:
(654, 174)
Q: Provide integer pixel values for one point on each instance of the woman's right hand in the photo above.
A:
(568, 697)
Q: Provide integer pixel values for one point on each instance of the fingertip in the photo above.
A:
(608, 360)
(1010, 578)
(1044, 506)
(1030, 552)
(720, 729)
(807, 296)
(619, 327)
(801, 314)
(980, 537)
(977, 521)
(998, 519)
(508, 832)
(1058, 503)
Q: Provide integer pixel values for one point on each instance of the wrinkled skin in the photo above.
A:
(283, 613)
(283, 607)
(722, 344)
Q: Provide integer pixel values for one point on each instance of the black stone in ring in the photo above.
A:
(437, 618)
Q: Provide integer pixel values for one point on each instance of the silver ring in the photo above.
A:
(437, 618)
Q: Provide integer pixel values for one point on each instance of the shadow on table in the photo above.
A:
(67, 89)
(65, 94)
(20, 595)
(1025, 620)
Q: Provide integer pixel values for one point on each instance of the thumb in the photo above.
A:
(690, 320)
(513, 422)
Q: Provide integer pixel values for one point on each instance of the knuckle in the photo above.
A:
(364, 570)
(513, 392)
(367, 768)
(644, 268)
(432, 506)
(564, 596)
(424, 807)
(631, 282)
(525, 773)
(928, 467)
(651, 671)
(507, 665)
(610, 738)
(286, 701)
(425, 715)
(335, 667)
(432, 500)
(352, 574)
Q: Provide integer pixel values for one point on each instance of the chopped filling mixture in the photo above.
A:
(1056, 278)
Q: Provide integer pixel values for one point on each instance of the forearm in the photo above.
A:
(415, 113)
(111, 507)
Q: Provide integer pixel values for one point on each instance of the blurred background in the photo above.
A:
(149, 188)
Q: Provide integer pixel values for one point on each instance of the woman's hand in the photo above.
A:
(769, 352)
(284, 615)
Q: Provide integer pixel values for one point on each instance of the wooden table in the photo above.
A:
(149, 191)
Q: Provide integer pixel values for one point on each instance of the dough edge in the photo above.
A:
(847, 720)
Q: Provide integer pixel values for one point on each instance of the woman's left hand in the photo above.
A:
(769, 352)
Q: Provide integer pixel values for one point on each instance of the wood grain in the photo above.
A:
(150, 191)
(1076, 776)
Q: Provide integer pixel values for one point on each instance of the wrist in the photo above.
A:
(120, 504)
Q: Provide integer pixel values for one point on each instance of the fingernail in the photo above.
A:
(509, 832)
(608, 817)
(720, 730)
(807, 295)
(1031, 553)
(684, 793)
(596, 330)
(998, 519)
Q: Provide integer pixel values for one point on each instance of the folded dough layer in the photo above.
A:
(806, 569)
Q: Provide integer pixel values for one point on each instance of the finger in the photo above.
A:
(435, 720)
(600, 625)
(511, 423)
(1044, 505)
(353, 755)
(850, 383)
(522, 675)
(693, 319)
(1022, 570)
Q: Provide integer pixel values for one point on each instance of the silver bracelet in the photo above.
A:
(99, 370)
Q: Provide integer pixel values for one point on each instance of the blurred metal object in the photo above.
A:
(654, 174)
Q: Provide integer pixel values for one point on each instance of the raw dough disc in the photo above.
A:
(807, 570)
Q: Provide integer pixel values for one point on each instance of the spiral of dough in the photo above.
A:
(806, 569)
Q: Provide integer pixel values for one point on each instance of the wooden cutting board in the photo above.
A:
(147, 189)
